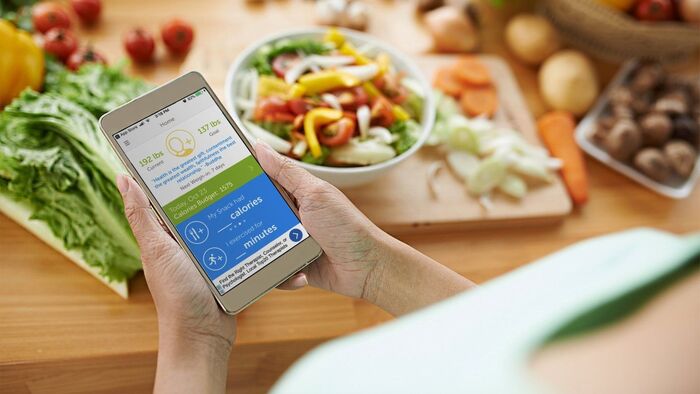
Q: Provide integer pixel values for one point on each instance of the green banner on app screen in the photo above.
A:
(212, 190)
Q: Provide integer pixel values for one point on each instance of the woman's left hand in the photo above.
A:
(195, 335)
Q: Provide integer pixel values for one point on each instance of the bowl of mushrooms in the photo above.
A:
(646, 126)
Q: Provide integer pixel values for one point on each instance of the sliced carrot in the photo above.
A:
(446, 81)
(477, 101)
(556, 129)
(470, 70)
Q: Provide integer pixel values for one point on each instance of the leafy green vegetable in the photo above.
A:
(18, 12)
(96, 87)
(407, 133)
(414, 106)
(280, 129)
(54, 159)
(263, 58)
(308, 157)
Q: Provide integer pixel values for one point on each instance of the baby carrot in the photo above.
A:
(556, 129)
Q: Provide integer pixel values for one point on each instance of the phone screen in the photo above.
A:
(211, 188)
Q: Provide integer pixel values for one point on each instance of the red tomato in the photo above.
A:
(87, 10)
(140, 45)
(283, 62)
(337, 133)
(381, 112)
(274, 109)
(299, 106)
(177, 36)
(82, 56)
(60, 42)
(654, 10)
(46, 16)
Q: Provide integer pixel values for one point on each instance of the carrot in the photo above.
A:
(471, 71)
(477, 101)
(556, 129)
(447, 83)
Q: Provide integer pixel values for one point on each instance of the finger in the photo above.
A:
(296, 282)
(283, 170)
(142, 219)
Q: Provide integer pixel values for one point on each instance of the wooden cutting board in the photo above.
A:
(402, 201)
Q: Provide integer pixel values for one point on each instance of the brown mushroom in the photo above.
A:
(656, 128)
(675, 102)
(428, 5)
(621, 95)
(623, 140)
(681, 156)
(687, 129)
(647, 77)
(652, 163)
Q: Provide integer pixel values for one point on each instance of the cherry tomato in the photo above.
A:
(82, 56)
(353, 98)
(273, 109)
(177, 36)
(299, 106)
(654, 10)
(46, 16)
(337, 133)
(60, 42)
(381, 112)
(87, 10)
(140, 45)
(284, 62)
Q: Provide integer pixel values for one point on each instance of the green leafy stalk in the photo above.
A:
(263, 58)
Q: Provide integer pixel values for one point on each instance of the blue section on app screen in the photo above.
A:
(238, 226)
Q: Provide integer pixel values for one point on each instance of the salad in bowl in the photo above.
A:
(344, 105)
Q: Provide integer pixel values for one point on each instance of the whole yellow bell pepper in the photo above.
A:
(315, 118)
(323, 81)
(21, 62)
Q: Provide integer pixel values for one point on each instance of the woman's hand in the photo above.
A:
(195, 336)
(360, 260)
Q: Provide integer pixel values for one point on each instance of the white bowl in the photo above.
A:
(343, 176)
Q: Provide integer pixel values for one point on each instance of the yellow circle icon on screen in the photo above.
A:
(180, 143)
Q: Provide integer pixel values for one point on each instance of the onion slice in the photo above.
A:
(363, 120)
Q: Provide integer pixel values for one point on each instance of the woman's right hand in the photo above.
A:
(360, 260)
(352, 243)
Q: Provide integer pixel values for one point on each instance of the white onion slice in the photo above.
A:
(332, 100)
(382, 134)
(275, 142)
(363, 120)
(364, 72)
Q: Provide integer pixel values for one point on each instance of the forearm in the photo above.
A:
(189, 364)
(405, 280)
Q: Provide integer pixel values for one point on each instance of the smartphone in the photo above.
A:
(238, 226)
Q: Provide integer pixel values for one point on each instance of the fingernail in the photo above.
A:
(299, 280)
(122, 184)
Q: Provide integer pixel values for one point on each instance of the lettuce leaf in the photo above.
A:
(54, 159)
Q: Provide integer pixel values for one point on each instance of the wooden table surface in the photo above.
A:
(67, 332)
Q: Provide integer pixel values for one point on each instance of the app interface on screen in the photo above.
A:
(223, 206)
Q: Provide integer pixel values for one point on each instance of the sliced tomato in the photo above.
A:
(337, 133)
(381, 112)
(269, 106)
(283, 62)
(299, 106)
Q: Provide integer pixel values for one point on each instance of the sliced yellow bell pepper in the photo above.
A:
(371, 90)
(272, 86)
(296, 91)
(349, 50)
(315, 118)
(323, 81)
(335, 37)
(400, 113)
(384, 62)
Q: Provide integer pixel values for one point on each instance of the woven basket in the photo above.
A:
(613, 35)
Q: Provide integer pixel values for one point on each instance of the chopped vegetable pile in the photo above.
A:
(486, 156)
(328, 103)
(55, 163)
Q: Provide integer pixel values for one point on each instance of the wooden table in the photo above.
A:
(61, 330)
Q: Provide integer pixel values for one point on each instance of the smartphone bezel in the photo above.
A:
(268, 277)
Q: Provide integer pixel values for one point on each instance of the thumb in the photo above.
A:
(292, 177)
(138, 212)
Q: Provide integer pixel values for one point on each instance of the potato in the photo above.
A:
(568, 82)
(531, 38)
